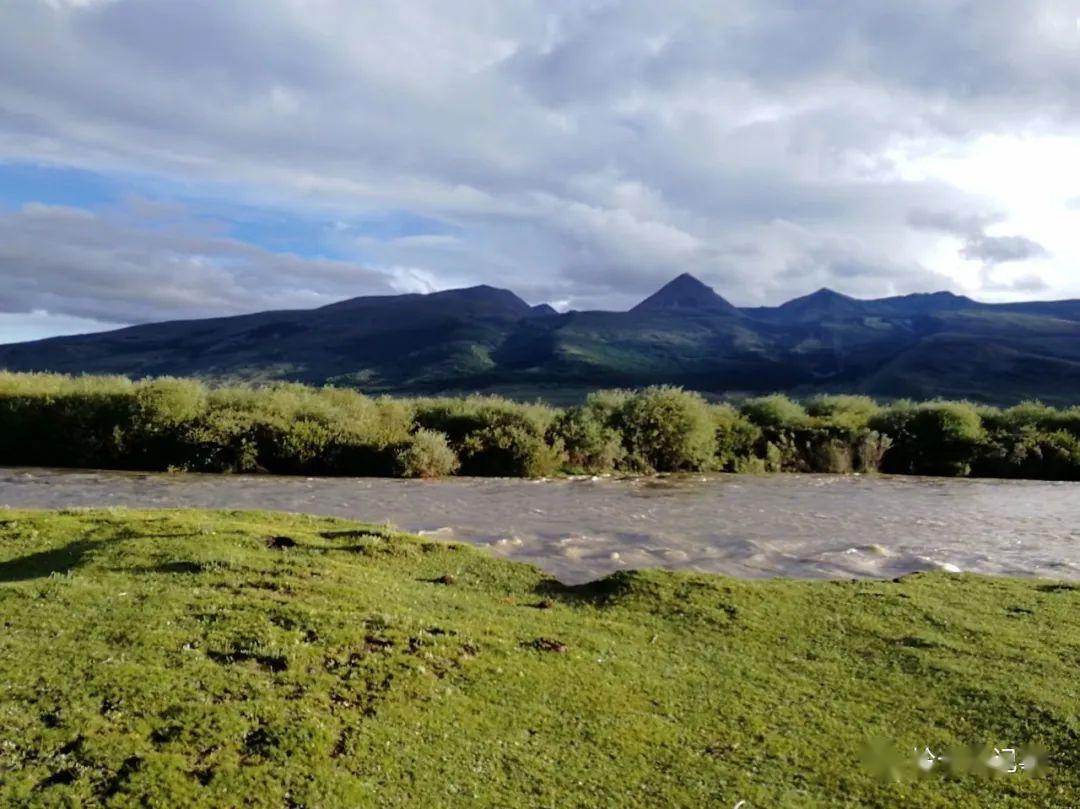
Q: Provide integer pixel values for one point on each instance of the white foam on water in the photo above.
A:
(780, 525)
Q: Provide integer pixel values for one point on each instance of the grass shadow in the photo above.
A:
(598, 592)
(177, 568)
(367, 533)
(44, 564)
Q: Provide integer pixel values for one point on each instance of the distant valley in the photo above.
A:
(486, 339)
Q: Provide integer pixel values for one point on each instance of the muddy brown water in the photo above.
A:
(803, 526)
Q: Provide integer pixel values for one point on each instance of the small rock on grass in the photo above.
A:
(549, 645)
(280, 543)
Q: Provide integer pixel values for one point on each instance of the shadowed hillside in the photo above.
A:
(483, 338)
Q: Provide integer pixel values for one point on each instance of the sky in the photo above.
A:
(164, 159)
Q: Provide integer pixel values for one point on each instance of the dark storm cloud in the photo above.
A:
(966, 225)
(977, 244)
(1000, 249)
(583, 150)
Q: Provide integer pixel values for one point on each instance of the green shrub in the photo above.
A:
(1059, 454)
(494, 437)
(774, 456)
(591, 445)
(1030, 453)
(154, 437)
(850, 413)
(871, 447)
(783, 443)
(54, 420)
(168, 402)
(750, 466)
(834, 450)
(736, 438)
(589, 433)
(775, 412)
(936, 438)
(667, 429)
(111, 422)
(509, 445)
(1065, 421)
(298, 446)
(222, 440)
(426, 455)
(825, 453)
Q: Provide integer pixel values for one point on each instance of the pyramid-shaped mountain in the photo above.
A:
(821, 304)
(685, 294)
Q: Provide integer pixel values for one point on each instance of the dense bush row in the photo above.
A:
(110, 422)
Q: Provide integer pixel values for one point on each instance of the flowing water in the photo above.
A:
(803, 526)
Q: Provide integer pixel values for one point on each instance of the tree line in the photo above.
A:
(286, 428)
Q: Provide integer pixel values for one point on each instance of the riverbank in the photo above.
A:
(202, 658)
(172, 424)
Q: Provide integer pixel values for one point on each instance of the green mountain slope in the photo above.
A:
(489, 339)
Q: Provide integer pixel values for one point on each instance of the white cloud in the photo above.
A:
(584, 150)
(38, 324)
(101, 266)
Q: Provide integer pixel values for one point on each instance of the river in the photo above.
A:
(803, 526)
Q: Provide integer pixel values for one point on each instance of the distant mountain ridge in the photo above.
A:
(489, 339)
(477, 298)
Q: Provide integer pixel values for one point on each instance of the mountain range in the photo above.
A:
(483, 338)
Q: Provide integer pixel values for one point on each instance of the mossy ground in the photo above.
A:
(179, 658)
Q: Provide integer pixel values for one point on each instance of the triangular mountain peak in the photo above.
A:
(543, 310)
(685, 293)
(823, 295)
(824, 302)
(826, 294)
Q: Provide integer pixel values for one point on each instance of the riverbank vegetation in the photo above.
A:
(175, 424)
(184, 658)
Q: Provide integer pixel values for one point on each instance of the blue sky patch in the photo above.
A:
(277, 229)
(21, 183)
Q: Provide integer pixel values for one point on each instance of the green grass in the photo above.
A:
(174, 658)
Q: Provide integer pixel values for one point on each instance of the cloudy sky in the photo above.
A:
(181, 158)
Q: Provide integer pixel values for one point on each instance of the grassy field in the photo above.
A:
(182, 658)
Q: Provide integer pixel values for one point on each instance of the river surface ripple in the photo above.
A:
(802, 526)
